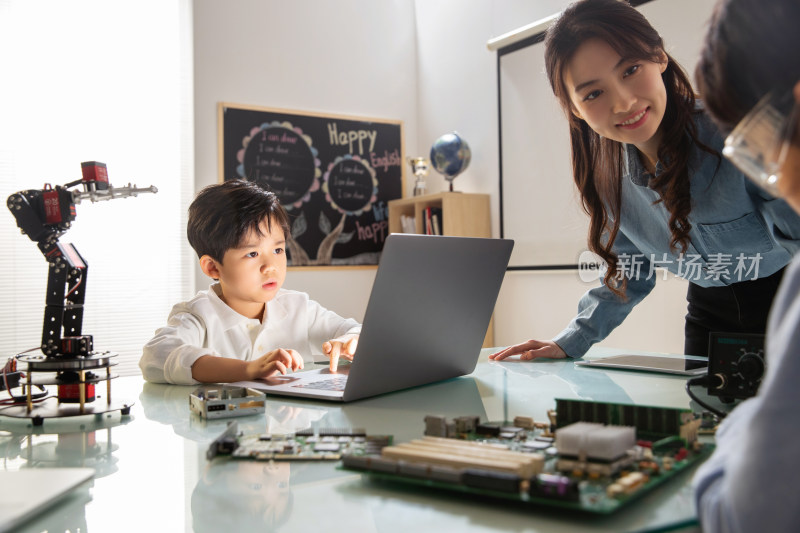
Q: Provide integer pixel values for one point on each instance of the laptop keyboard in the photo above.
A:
(335, 384)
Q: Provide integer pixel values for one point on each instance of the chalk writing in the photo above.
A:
(375, 232)
(350, 137)
(278, 159)
(386, 160)
(350, 184)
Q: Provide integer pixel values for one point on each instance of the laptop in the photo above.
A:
(25, 494)
(426, 319)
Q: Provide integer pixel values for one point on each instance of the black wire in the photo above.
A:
(23, 398)
(702, 380)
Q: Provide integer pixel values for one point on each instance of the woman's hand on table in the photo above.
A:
(531, 349)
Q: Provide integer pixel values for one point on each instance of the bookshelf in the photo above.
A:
(463, 215)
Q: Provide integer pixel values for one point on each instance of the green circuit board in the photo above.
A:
(568, 482)
(326, 444)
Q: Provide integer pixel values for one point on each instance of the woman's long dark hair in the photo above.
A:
(597, 163)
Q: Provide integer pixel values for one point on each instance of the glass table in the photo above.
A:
(152, 473)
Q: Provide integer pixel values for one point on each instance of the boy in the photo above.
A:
(244, 326)
(751, 50)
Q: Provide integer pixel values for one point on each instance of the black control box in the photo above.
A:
(735, 365)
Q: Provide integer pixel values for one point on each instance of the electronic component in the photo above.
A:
(524, 422)
(439, 426)
(593, 461)
(456, 453)
(556, 487)
(490, 480)
(651, 423)
(227, 401)
(490, 429)
(735, 365)
(595, 448)
(11, 377)
(595, 441)
(308, 445)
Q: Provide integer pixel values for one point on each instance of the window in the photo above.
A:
(110, 82)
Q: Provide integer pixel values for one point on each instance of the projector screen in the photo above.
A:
(539, 203)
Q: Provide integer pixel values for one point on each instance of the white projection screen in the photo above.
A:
(539, 204)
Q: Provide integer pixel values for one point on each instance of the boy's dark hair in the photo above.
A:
(223, 214)
(751, 48)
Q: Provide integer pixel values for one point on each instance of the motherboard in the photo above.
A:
(589, 456)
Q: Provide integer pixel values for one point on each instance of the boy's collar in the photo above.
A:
(275, 310)
(229, 318)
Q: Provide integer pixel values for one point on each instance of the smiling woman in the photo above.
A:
(619, 98)
(646, 162)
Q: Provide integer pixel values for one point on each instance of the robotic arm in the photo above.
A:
(46, 214)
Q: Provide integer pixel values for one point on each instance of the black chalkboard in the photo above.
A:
(334, 175)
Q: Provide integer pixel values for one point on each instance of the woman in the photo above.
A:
(750, 482)
(646, 161)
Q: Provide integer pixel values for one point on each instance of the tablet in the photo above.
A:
(685, 365)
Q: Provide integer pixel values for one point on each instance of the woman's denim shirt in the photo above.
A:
(739, 233)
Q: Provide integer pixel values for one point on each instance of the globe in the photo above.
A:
(450, 155)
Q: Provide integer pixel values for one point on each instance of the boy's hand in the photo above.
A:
(343, 347)
(273, 362)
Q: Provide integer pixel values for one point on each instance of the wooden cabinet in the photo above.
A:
(463, 215)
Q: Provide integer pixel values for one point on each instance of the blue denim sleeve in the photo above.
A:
(600, 310)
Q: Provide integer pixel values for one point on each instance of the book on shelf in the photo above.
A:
(408, 224)
(432, 221)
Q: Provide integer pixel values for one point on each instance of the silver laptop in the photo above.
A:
(426, 319)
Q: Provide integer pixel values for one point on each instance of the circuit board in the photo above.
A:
(531, 463)
(326, 444)
(227, 401)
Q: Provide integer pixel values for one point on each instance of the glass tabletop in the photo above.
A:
(152, 473)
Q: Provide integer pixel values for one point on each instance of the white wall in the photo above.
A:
(424, 62)
(354, 57)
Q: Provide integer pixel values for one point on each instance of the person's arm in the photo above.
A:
(783, 223)
(168, 357)
(324, 324)
(599, 312)
(216, 369)
(749, 483)
(172, 356)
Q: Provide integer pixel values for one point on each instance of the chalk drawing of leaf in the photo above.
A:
(324, 223)
(299, 226)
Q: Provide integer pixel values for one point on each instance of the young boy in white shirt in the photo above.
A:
(244, 326)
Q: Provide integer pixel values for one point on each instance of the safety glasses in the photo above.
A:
(760, 141)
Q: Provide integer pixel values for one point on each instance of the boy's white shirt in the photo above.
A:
(205, 325)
